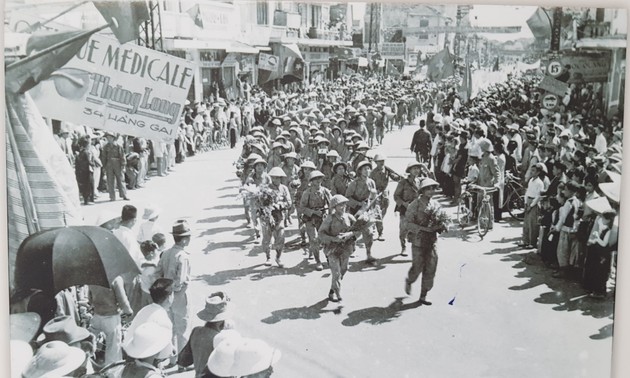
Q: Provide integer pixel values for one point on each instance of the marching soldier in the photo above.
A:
(423, 239)
(304, 174)
(291, 181)
(314, 204)
(341, 179)
(338, 242)
(360, 192)
(406, 192)
(381, 176)
(258, 177)
(274, 226)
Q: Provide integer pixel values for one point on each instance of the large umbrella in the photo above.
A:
(59, 258)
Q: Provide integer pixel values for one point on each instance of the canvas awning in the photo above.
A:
(240, 47)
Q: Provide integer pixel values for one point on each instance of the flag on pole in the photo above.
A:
(27, 72)
(391, 70)
(496, 65)
(440, 66)
(195, 13)
(42, 191)
(294, 66)
(467, 83)
(124, 17)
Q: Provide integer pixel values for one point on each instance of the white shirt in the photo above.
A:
(534, 188)
(600, 144)
(128, 239)
(147, 230)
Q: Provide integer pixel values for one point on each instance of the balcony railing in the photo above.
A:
(329, 34)
(593, 29)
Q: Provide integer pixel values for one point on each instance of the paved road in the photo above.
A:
(493, 315)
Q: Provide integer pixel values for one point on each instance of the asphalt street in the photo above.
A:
(493, 314)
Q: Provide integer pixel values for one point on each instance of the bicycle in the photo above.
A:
(514, 197)
(485, 216)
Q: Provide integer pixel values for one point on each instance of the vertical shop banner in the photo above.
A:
(126, 89)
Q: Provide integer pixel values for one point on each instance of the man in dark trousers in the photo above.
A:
(421, 144)
(423, 240)
(114, 163)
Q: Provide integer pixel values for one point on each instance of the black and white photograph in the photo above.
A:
(244, 188)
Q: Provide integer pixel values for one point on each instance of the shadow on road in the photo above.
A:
(565, 294)
(230, 187)
(224, 207)
(305, 312)
(378, 315)
(230, 218)
(256, 273)
(218, 230)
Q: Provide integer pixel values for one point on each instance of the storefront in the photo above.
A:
(317, 59)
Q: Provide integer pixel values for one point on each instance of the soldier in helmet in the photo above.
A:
(338, 242)
(258, 177)
(314, 204)
(406, 192)
(273, 224)
(360, 193)
(304, 174)
(381, 176)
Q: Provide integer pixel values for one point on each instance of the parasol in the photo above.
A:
(59, 258)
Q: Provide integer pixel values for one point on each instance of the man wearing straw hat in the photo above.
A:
(175, 265)
(201, 343)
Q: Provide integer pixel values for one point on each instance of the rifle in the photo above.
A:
(368, 205)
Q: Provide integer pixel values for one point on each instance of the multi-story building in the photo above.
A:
(223, 38)
(387, 31)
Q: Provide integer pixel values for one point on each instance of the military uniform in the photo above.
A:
(275, 230)
(381, 180)
(406, 192)
(359, 191)
(254, 179)
(313, 201)
(114, 162)
(338, 252)
(424, 256)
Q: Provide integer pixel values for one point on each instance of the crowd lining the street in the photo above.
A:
(307, 163)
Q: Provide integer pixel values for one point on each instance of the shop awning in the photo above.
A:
(613, 42)
(240, 47)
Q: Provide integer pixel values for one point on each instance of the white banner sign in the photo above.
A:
(268, 62)
(126, 89)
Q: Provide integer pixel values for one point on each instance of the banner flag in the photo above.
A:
(127, 17)
(440, 66)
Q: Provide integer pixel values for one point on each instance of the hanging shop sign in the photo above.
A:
(126, 89)
(554, 86)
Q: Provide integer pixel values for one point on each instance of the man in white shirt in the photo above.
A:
(125, 234)
(534, 190)
(601, 145)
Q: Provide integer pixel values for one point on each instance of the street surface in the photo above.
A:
(493, 315)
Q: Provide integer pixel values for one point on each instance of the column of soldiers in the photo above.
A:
(316, 159)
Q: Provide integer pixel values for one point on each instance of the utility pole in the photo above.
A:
(371, 27)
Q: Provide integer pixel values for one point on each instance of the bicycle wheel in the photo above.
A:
(516, 206)
(484, 219)
(463, 213)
